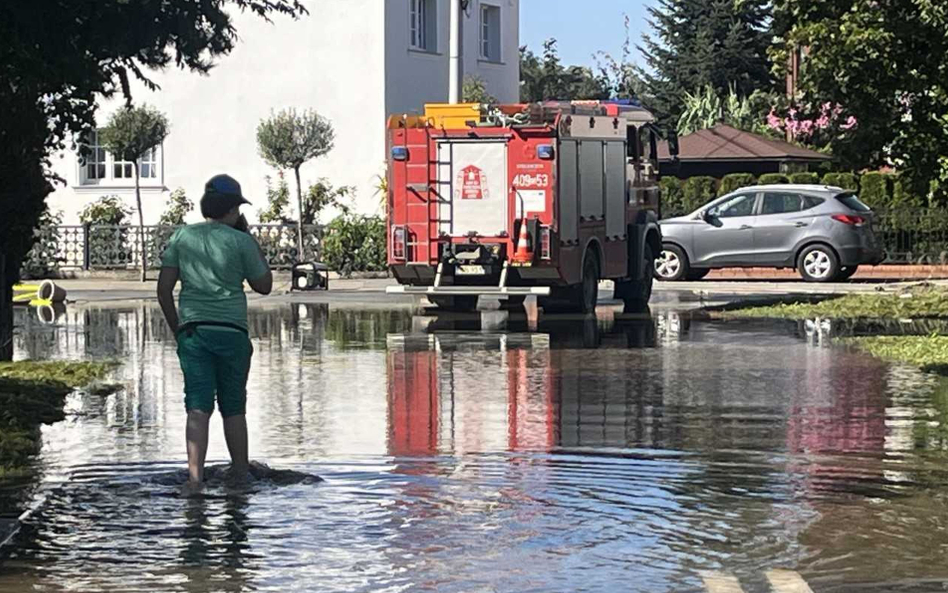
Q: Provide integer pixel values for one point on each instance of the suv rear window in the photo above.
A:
(853, 203)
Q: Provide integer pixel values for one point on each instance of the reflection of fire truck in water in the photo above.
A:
(515, 200)
(440, 400)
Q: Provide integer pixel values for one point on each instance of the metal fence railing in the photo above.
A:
(913, 236)
(111, 247)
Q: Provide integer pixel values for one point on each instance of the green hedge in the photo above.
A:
(673, 199)
(735, 181)
(773, 179)
(876, 189)
(698, 191)
(904, 197)
(846, 181)
(805, 178)
(355, 243)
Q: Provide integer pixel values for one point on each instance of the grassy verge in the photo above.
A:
(915, 304)
(928, 352)
(33, 394)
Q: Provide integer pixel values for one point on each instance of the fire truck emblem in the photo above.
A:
(472, 183)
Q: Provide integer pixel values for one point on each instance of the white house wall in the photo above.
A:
(414, 77)
(320, 61)
(348, 59)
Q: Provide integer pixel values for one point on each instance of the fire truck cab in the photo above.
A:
(514, 200)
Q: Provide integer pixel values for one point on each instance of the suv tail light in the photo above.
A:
(546, 243)
(849, 219)
(398, 243)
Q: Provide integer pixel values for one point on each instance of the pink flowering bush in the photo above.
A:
(817, 128)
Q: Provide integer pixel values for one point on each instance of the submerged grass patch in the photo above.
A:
(32, 394)
(72, 374)
(928, 352)
(914, 304)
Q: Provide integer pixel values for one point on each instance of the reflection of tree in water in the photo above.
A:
(354, 329)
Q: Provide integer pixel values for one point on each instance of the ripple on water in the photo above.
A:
(572, 458)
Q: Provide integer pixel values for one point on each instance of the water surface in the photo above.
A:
(495, 453)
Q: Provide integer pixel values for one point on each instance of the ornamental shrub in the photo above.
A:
(735, 181)
(876, 190)
(805, 178)
(672, 197)
(847, 181)
(698, 191)
(773, 179)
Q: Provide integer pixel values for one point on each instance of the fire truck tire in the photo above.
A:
(578, 298)
(636, 295)
(456, 304)
(586, 294)
(697, 274)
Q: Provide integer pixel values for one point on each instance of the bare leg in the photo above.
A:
(196, 435)
(235, 433)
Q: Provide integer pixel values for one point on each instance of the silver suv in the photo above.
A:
(824, 232)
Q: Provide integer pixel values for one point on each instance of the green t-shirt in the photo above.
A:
(213, 260)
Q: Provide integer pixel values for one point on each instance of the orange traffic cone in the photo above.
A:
(523, 254)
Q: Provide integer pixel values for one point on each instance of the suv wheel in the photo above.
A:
(671, 264)
(847, 272)
(818, 263)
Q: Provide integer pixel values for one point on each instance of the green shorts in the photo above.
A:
(215, 362)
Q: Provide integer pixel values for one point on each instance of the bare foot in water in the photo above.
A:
(191, 489)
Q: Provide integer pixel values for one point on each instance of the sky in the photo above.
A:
(582, 28)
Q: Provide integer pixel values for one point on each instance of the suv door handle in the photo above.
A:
(800, 225)
(745, 227)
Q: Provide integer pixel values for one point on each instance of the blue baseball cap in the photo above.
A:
(221, 194)
(225, 185)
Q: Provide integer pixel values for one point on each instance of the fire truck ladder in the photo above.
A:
(430, 198)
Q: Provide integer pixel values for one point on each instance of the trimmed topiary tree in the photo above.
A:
(698, 191)
(287, 140)
(735, 181)
(773, 179)
(805, 178)
(847, 181)
(131, 133)
(875, 189)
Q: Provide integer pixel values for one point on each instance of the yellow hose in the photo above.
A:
(26, 288)
(24, 299)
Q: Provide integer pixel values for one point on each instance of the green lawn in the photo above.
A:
(928, 352)
(920, 303)
(33, 394)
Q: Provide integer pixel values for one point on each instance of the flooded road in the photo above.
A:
(495, 453)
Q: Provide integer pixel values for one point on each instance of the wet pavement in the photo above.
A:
(497, 452)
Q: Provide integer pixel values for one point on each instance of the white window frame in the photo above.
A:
(107, 167)
(423, 25)
(490, 41)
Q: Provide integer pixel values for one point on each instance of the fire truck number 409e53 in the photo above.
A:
(545, 199)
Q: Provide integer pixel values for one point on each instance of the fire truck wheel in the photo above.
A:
(636, 294)
(457, 304)
(587, 293)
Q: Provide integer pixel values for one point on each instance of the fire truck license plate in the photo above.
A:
(471, 270)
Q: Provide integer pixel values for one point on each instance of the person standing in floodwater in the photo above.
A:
(212, 259)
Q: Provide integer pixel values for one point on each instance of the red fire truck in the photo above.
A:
(514, 200)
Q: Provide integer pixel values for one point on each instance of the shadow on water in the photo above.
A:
(496, 451)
